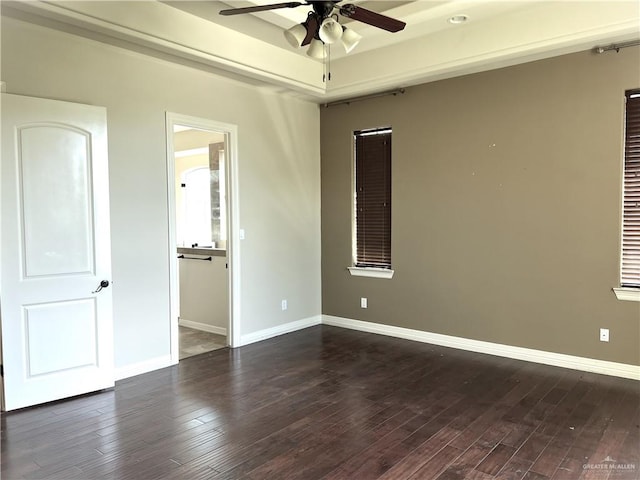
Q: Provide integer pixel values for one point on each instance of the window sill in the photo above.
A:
(370, 272)
(626, 293)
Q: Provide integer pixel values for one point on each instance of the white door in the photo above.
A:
(57, 338)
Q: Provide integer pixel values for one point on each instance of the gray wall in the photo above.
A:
(506, 207)
(279, 177)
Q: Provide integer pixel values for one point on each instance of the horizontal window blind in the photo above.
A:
(630, 273)
(373, 198)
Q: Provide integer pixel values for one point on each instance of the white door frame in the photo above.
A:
(230, 133)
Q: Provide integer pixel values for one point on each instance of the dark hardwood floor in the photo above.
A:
(328, 403)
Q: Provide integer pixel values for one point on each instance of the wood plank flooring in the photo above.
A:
(328, 403)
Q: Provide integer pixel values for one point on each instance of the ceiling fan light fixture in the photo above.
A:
(316, 49)
(349, 39)
(330, 30)
(296, 35)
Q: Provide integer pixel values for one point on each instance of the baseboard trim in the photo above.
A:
(202, 326)
(519, 353)
(145, 366)
(280, 330)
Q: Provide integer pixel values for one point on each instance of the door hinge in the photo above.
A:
(2, 371)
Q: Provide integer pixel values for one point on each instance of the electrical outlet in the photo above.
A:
(604, 334)
(241, 234)
(363, 302)
(284, 304)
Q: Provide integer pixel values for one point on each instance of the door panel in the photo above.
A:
(56, 199)
(57, 338)
(47, 329)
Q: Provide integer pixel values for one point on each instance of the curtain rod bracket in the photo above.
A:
(616, 46)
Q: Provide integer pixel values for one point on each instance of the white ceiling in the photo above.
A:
(251, 47)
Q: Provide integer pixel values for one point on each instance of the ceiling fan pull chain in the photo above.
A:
(326, 64)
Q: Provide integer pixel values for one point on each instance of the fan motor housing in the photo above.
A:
(323, 9)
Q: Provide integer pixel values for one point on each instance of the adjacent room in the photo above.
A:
(320, 240)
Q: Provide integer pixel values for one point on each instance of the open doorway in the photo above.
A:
(200, 168)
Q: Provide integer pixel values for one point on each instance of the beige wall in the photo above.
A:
(279, 177)
(506, 207)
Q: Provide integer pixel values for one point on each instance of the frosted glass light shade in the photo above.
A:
(296, 35)
(349, 39)
(316, 49)
(330, 31)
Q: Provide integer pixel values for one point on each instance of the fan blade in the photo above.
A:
(372, 18)
(313, 24)
(260, 8)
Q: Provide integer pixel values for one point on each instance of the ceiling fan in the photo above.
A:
(322, 27)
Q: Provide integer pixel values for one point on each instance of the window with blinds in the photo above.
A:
(630, 269)
(373, 198)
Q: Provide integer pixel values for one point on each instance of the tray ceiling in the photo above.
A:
(252, 48)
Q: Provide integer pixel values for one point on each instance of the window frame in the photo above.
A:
(358, 268)
(629, 290)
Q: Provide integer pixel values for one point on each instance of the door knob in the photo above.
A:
(103, 284)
